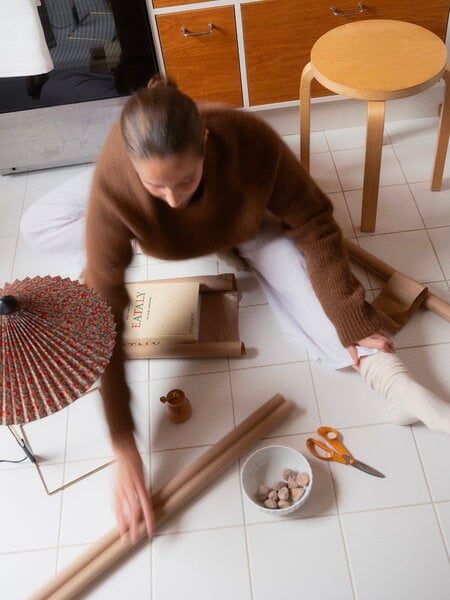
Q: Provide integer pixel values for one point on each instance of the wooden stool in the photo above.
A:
(444, 131)
(374, 60)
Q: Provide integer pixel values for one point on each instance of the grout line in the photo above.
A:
(150, 476)
(428, 484)
(252, 524)
(425, 228)
(16, 245)
(436, 252)
(347, 557)
(414, 347)
(265, 365)
(61, 506)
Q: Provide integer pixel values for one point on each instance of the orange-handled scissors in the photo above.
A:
(338, 452)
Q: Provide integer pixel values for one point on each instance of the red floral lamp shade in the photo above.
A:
(57, 337)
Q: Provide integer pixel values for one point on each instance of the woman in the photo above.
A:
(185, 183)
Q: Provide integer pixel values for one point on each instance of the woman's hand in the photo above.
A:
(377, 340)
(132, 501)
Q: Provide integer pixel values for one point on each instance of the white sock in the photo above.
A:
(408, 401)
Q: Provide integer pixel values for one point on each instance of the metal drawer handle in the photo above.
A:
(338, 13)
(188, 33)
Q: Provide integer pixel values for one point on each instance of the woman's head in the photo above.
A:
(159, 120)
(165, 138)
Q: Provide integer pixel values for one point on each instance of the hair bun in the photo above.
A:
(160, 81)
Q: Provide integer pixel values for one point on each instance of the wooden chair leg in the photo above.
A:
(443, 135)
(305, 112)
(372, 166)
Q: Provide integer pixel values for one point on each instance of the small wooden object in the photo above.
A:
(375, 60)
(179, 408)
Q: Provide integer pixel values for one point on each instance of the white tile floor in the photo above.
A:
(357, 537)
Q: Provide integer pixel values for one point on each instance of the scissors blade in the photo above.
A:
(363, 467)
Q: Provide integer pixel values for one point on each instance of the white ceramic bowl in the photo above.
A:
(265, 466)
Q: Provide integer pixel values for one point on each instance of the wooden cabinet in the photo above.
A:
(279, 35)
(204, 66)
(164, 3)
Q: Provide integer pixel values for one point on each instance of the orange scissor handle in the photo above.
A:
(312, 444)
(333, 437)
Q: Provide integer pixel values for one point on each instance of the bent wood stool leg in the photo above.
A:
(443, 135)
(372, 166)
(305, 115)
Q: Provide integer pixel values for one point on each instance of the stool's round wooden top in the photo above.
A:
(378, 59)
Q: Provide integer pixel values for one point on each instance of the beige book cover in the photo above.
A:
(167, 311)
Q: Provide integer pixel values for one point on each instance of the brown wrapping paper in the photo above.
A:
(111, 549)
(219, 331)
(384, 271)
(398, 300)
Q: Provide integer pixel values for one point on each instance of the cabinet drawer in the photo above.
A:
(205, 67)
(164, 3)
(279, 35)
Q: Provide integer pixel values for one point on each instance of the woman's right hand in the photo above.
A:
(132, 500)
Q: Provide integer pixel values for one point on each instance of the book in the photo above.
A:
(162, 311)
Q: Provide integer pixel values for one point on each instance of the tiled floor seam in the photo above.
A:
(246, 536)
(61, 504)
(427, 482)
(196, 374)
(341, 185)
(415, 347)
(415, 202)
(347, 557)
(383, 508)
(436, 253)
(265, 365)
(244, 524)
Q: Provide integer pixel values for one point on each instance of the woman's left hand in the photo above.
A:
(378, 340)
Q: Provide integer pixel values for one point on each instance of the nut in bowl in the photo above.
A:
(277, 479)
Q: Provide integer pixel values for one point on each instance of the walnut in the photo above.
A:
(270, 503)
(283, 503)
(292, 482)
(288, 473)
(283, 494)
(303, 479)
(263, 492)
(278, 485)
(297, 493)
(273, 495)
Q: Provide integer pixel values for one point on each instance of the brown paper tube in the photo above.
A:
(189, 350)
(111, 548)
(384, 271)
(226, 282)
(181, 478)
(217, 449)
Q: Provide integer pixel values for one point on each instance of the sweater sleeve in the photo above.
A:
(108, 243)
(307, 215)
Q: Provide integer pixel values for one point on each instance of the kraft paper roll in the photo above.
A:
(73, 580)
(385, 272)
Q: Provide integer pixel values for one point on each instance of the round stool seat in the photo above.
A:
(378, 59)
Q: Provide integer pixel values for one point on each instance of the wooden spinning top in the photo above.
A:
(179, 408)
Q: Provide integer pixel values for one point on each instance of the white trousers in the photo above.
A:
(282, 274)
(55, 224)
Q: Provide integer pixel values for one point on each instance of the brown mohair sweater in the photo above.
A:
(247, 170)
